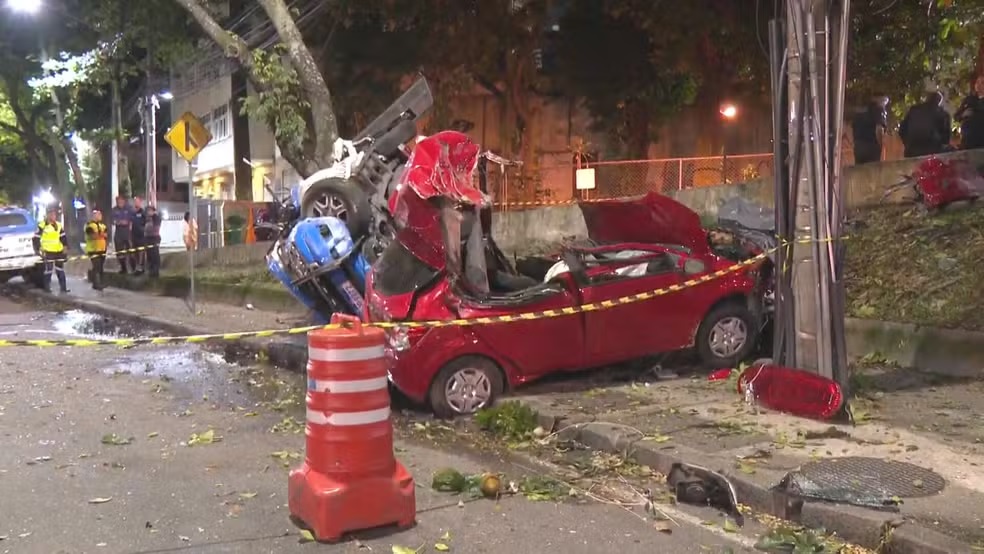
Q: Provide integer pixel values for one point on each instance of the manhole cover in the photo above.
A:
(864, 480)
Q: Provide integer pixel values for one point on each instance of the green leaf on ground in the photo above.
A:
(730, 526)
(441, 547)
(206, 438)
(306, 536)
(405, 549)
(116, 440)
(152, 435)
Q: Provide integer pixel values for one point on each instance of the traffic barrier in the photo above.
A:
(350, 479)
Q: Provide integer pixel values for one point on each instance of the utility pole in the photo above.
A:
(810, 304)
(151, 106)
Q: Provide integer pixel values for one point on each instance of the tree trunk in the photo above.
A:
(122, 171)
(979, 65)
(73, 224)
(312, 81)
(237, 49)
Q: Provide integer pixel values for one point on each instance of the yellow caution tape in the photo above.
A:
(527, 316)
(105, 255)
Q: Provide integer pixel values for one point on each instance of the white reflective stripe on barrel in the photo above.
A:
(345, 354)
(342, 387)
(346, 419)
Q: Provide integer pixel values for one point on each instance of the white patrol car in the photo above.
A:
(17, 257)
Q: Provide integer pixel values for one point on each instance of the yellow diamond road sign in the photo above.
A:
(188, 136)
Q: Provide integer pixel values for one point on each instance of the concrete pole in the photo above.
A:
(806, 276)
(815, 102)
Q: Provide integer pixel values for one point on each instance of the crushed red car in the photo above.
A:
(445, 265)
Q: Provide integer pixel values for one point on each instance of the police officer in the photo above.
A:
(95, 247)
(50, 243)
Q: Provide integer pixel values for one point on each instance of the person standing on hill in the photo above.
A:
(869, 131)
(926, 128)
(970, 114)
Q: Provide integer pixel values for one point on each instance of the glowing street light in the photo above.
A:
(166, 95)
(30, 7)
(729, 111)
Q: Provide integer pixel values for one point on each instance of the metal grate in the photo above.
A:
(871, 479)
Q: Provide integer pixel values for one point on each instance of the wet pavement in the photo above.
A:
(179, 449)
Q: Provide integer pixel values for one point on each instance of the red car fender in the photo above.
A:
(413, 371)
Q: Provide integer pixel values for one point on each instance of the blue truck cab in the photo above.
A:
(17, 257)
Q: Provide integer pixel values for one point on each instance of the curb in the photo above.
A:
(863, 527)
(287, 355)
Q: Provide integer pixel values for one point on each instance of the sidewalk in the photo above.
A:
(174, 316)
(908, 417)
(930, 422)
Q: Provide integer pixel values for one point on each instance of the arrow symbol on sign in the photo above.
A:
(189, 141)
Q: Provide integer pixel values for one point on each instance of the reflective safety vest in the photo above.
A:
(95, 237)
(51, 237)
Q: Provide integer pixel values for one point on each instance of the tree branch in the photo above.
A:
(311, 80)
(233, 46)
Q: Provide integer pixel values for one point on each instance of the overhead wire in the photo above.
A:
(261, 36)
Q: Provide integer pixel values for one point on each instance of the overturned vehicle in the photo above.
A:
(649, 279)
(336, 222)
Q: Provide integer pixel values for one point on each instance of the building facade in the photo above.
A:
(242, 161)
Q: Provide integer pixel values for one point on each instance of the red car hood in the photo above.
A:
(651, 218)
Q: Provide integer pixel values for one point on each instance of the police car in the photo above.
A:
(17, 257)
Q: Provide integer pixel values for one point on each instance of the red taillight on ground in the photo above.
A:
(792, 391)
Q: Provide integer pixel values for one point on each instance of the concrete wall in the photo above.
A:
(523, 231)
(531, 231)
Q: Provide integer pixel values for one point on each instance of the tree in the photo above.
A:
(292, 95)
(897, 47)
(624, 85)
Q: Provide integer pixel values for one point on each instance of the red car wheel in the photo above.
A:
(727, 335)
(465, 386)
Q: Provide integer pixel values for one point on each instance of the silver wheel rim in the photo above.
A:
(330, 205)
(728, 337)
(468, 390)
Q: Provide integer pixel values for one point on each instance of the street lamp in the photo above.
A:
(729, 112)
(25, 6)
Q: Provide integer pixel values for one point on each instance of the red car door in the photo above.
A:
(537, 346)
(640, 328)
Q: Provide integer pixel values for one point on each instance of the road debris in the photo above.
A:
(700, 486)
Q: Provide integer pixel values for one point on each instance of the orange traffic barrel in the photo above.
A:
(350, 479)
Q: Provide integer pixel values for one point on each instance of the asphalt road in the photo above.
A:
(64, 490)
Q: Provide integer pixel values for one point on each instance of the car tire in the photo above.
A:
(717, 338)
(332, 196)
(6, 276)
(476, 371)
